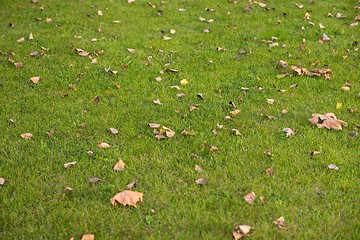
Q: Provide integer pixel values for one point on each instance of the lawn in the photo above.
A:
(249, 75)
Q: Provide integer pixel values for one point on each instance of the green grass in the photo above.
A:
(32, 202)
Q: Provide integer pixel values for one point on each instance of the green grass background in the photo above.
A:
(32, 202)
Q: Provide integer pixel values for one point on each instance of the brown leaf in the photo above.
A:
(270, 101)
(283, 63)
(131, 50)
(131, 185)
(103, 145)
(154, 125)
(35, 80)
(268, 153)
(51, 132)
(26, 135)
(31, 36)
(88, 237)
(269, 171)
(262, 199)
(113, 131)
(119, 166)
(157, 102)
(214, 149)
(198, 168)
(200, 181)
(235, 112)
(35, 53)
(68, 190)
(280, 222)
(327, 120)
(333, 167)
(186, 133)
(94, 180)
(288, 131)
(315, 153)
(20, 40)
(250, 197)
(127, 197)
(2, 181)
(66, 165)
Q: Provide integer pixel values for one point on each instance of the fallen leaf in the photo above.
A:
(307, 16)
(235, 112)
(88, 237)
(345, 88)
(236, 132)
(131, 185)
(100, 13)
(35, 80)
(103, 145)
(198, 168)
(315, 153)
(172, 31)
(31, 36)
(154, 125)
(270, 101)
(288, 131)
(200, 181)
(157, 102)
(26, 135)
(284, 111)
(130, 1)
(119, 166)
(333, 167)
(250, 197)
(214, 149)
(241, 231)
(69, 164)
(68, 190)
(34, 53)
(90, 153)
(2, 181)
(262, 199)
(113, 131)
(51, 132)
(324, 38)
(187, 133)
(131, 50)
(166, 38)
(158, 79)
(20, 40)
(127, 197)
(353, 133)
(268, 153)
(269, 171)
(184, 82)
(283, 63)
(94, 180)
(175, 87)
(327, 120)
(48, 20)
(280, 222)
(321, 26)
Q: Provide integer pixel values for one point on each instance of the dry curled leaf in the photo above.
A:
(280, 222)
(35, 80)
(332, 167)
(95, 180)
(66, 165)
(200, 181)
(2, 181)
(268, 153)
(26, 135)
(131, 50)
(113, 131)
(198, 168)
(270, 101)
(241, 231)
(214, 149)
(288, 131)
(250, 197)
(127, 197)
(119, 166)
(103, 145)
(88, 237)
(327, 120)
(154, 125)
(131, 185)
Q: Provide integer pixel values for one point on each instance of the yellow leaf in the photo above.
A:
(184, 82)
(119, 166)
